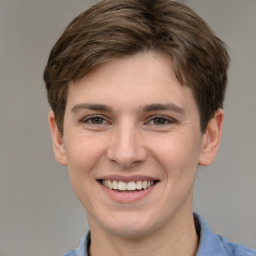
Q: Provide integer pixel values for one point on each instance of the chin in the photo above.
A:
(128, 231)
(130, 227)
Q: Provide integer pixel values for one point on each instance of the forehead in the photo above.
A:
(141, 79)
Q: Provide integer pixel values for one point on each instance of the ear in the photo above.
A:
(57, 139)
(211, 139)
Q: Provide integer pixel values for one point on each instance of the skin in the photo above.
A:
(113, 125)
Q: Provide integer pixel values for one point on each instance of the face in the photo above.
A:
(132, 142)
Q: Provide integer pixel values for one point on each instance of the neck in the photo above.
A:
(179, 239)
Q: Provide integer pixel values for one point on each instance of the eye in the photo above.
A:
(94, 120)
(160, 120)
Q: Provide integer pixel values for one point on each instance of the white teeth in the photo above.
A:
(109, 184)
(122, 185)
(144, 184)
(130, 186)
(115, 184)
(139, 185)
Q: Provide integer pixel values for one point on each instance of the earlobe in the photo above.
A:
(211, 139)
(57, 139)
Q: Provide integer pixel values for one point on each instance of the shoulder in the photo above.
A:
(83, 247)
(234, 249)
(212, 244)
(71, 253)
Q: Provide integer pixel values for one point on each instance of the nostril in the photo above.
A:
(126, 148)
(126, 158)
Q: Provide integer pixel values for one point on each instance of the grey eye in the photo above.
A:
(159, 121)
(97, 120)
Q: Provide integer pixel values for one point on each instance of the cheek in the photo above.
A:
(83, 153)
(178, 153)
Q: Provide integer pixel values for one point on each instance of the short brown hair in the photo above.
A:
(117, 28)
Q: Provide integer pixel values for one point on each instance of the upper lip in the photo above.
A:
(127, 178)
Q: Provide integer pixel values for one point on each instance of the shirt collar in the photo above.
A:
(210, 244)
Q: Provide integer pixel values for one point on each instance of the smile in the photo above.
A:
(128, 186)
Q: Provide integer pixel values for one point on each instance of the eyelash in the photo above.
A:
(99, 120)
(89, 120)
(165, 119)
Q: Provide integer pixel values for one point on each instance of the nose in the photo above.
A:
(126, 148)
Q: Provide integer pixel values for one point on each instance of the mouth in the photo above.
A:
(131, 186)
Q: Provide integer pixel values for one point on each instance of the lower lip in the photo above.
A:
(127, 197)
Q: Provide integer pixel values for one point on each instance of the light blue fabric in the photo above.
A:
(216, 245)
(210, 243)
(83, 247)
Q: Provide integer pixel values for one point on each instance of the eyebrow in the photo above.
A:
(95, 107)
(165, 107)
(146, 108)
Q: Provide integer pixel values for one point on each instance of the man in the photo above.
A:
(136, 89)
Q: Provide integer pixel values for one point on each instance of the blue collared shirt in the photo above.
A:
(210, 244)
